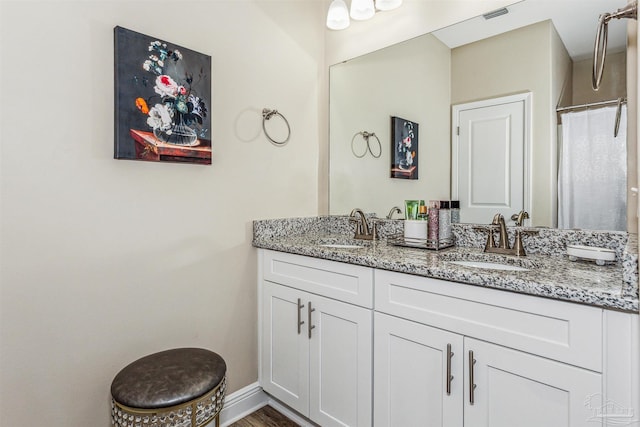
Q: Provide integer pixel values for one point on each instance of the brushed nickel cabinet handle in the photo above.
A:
(310, 326)
(449, 376)
(300, 321)
(472, 386)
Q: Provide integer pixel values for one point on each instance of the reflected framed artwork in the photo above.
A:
(404, 149)
(162, 100)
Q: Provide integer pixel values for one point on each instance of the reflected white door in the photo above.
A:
(489, 158)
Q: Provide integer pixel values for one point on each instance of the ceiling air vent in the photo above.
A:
(495, 13)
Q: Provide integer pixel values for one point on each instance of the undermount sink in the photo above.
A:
(489, 261)
(341, 246)
(341, 243)
(489, 265)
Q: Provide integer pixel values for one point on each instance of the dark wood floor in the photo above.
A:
(265, 417)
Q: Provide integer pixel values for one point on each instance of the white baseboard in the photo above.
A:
(241, 403)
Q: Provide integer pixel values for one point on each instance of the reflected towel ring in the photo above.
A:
(266, 115)
(366, 135)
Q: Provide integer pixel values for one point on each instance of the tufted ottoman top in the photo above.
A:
(168, 378)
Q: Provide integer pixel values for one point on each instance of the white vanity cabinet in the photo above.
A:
(517, 388)
(448, 354)
(414, 365)
(434, 353)
(316, 349)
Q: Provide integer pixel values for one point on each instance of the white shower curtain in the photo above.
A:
(592, 178)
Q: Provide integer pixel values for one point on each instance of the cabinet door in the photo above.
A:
(519, 389)
(411, 375)
(285, 352)
(340, 363)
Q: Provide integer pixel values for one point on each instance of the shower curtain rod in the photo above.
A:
(618, 102)
(592, 104)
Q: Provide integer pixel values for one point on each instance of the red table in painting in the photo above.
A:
(403, 173)
(148, 147)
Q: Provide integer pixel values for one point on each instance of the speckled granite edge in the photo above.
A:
(553, 242)
(630, 267)
(613, 286)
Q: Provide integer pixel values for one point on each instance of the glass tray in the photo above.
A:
(434, 245)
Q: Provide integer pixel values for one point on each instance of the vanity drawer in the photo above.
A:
(345, 282)
(562, 331)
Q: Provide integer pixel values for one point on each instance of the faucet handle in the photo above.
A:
(518, 247)
(491, 243)
(374, 229)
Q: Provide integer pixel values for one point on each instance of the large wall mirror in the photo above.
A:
(538, 50)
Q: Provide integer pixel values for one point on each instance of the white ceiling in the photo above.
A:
(575, 20)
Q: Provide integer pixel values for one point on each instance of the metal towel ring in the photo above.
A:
(266, 115)
(366, 135)
(631, 12)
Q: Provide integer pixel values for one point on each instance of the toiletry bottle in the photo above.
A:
(422, 211)
(455, 212)
(411, 209)
(433, 228)
(444, 220)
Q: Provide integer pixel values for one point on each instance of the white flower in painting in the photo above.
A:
(147, 65)
(160, 117)
(166, 86)
(409, 157)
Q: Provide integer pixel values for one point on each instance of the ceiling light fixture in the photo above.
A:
(361, 10)
(338, 14)
(388, 4)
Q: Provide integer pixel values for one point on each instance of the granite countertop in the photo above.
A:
(547, 276)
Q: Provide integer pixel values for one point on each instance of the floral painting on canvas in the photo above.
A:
(162, 100)
(404, 140)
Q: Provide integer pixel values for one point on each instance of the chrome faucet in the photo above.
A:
(503, 246)
(393, 210)
(363, 230)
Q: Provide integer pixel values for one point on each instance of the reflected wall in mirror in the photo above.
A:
(422, 78)
(410, 80)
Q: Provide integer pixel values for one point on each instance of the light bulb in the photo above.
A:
(338, 15)
(362, 9)
(388, 4)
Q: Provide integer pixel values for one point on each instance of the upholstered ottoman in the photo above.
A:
(183, 387)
